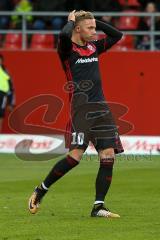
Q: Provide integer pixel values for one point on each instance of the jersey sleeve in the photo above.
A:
(113, 35)
(64, 41)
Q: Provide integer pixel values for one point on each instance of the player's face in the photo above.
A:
(87, 29)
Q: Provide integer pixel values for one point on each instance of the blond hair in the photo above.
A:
(82, 15)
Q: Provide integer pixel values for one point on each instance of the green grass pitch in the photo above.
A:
(65, 211)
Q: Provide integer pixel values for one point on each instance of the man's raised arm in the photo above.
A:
(113, 36)
(65, 43)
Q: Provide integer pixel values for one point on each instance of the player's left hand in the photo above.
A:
(71, 16)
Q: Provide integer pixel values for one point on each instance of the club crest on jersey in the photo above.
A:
(88, 51)
(91, 47)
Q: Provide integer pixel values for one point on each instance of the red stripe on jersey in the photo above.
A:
(68, 134)
(69, 76)
(68, 71)
(84, 52)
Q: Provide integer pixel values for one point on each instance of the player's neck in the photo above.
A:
(78, 40)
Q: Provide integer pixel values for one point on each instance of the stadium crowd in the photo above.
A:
(56, 23)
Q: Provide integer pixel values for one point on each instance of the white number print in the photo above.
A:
(77, 138)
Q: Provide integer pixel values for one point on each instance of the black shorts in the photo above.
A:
(95, 126)
(3, 103)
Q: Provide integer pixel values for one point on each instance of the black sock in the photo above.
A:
(104, 178)
(59, 170)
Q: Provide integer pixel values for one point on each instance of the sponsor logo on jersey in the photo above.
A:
(87, 60)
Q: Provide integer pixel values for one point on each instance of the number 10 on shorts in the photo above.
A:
(77, 138)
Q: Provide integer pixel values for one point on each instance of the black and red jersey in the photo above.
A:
(81, 63)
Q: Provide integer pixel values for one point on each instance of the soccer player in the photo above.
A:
(6, 91)
(91, 119)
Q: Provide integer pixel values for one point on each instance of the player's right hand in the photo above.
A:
(71, 16)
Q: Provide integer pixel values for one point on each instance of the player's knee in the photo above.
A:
(76, 154)
(107, 157)
(107, 153)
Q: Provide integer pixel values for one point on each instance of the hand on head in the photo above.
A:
(71, 16)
